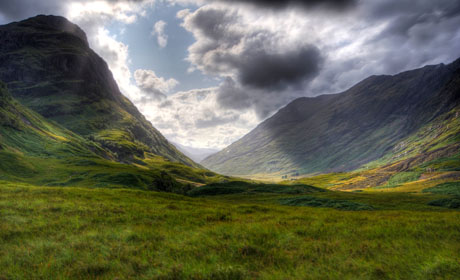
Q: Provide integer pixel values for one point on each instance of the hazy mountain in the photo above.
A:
(197, 154)
(341, 132)
(48, 66)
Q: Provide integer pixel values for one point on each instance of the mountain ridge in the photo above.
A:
(340, 132)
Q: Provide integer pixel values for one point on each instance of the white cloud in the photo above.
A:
(194, 118)
(159, 32)
(153, 86)
(93, 17)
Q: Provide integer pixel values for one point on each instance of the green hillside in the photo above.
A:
(342, 132)
(426, 158)
(38, 151)
(48, 66)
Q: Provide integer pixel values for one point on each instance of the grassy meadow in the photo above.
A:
(100, 233)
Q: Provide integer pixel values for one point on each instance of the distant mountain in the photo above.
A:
(197, 154)
(48, 66)
(380, 120)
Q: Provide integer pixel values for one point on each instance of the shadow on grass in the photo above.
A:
(325, 202)
(238, 187)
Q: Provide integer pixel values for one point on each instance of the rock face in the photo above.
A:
(48, 66)
(341, 132)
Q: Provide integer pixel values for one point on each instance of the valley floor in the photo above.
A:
(78, 233)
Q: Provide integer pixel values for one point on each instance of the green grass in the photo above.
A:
(453, 203)
(400, 178)
(241, 187)
(325, 202)
(81, 233)
(449, 188)
(439, 133)
(326, 180)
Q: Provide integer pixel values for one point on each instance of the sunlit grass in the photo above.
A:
(59, 233)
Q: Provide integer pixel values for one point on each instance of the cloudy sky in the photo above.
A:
(205, 72)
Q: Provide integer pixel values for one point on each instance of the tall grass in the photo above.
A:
(73, 233)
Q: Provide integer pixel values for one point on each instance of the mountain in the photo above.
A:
(33, 148)
(39, 151)
(64, 122)
(341, 132)
(197, 154)
(49, 67)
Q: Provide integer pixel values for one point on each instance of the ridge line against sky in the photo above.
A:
(206, 72)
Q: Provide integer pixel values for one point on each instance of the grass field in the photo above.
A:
(82, 233)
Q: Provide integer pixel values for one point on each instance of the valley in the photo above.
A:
(81, 233)
(363, 184)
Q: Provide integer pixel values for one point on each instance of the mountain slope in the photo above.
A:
(25, 132)
(33, 149)
(48, 66)
(36, 150)
(197, 154)
(341, 132)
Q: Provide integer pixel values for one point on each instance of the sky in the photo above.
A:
(206, 72)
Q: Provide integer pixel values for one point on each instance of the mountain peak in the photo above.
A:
(53, 23)
(48, 66)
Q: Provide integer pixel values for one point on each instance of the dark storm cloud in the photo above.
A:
(376, 37)
(278, 4)
(402, 15)
(415, 33)
(254, 60)
(393, 8)
(259, 62)
(230, 95)
(280, 70)
(12, 10)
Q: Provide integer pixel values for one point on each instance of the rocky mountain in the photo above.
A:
(64, 122)
(371, 122)
(49, 67)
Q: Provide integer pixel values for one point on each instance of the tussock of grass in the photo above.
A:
(325, 202)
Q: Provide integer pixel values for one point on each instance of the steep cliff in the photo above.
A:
(49, 67)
